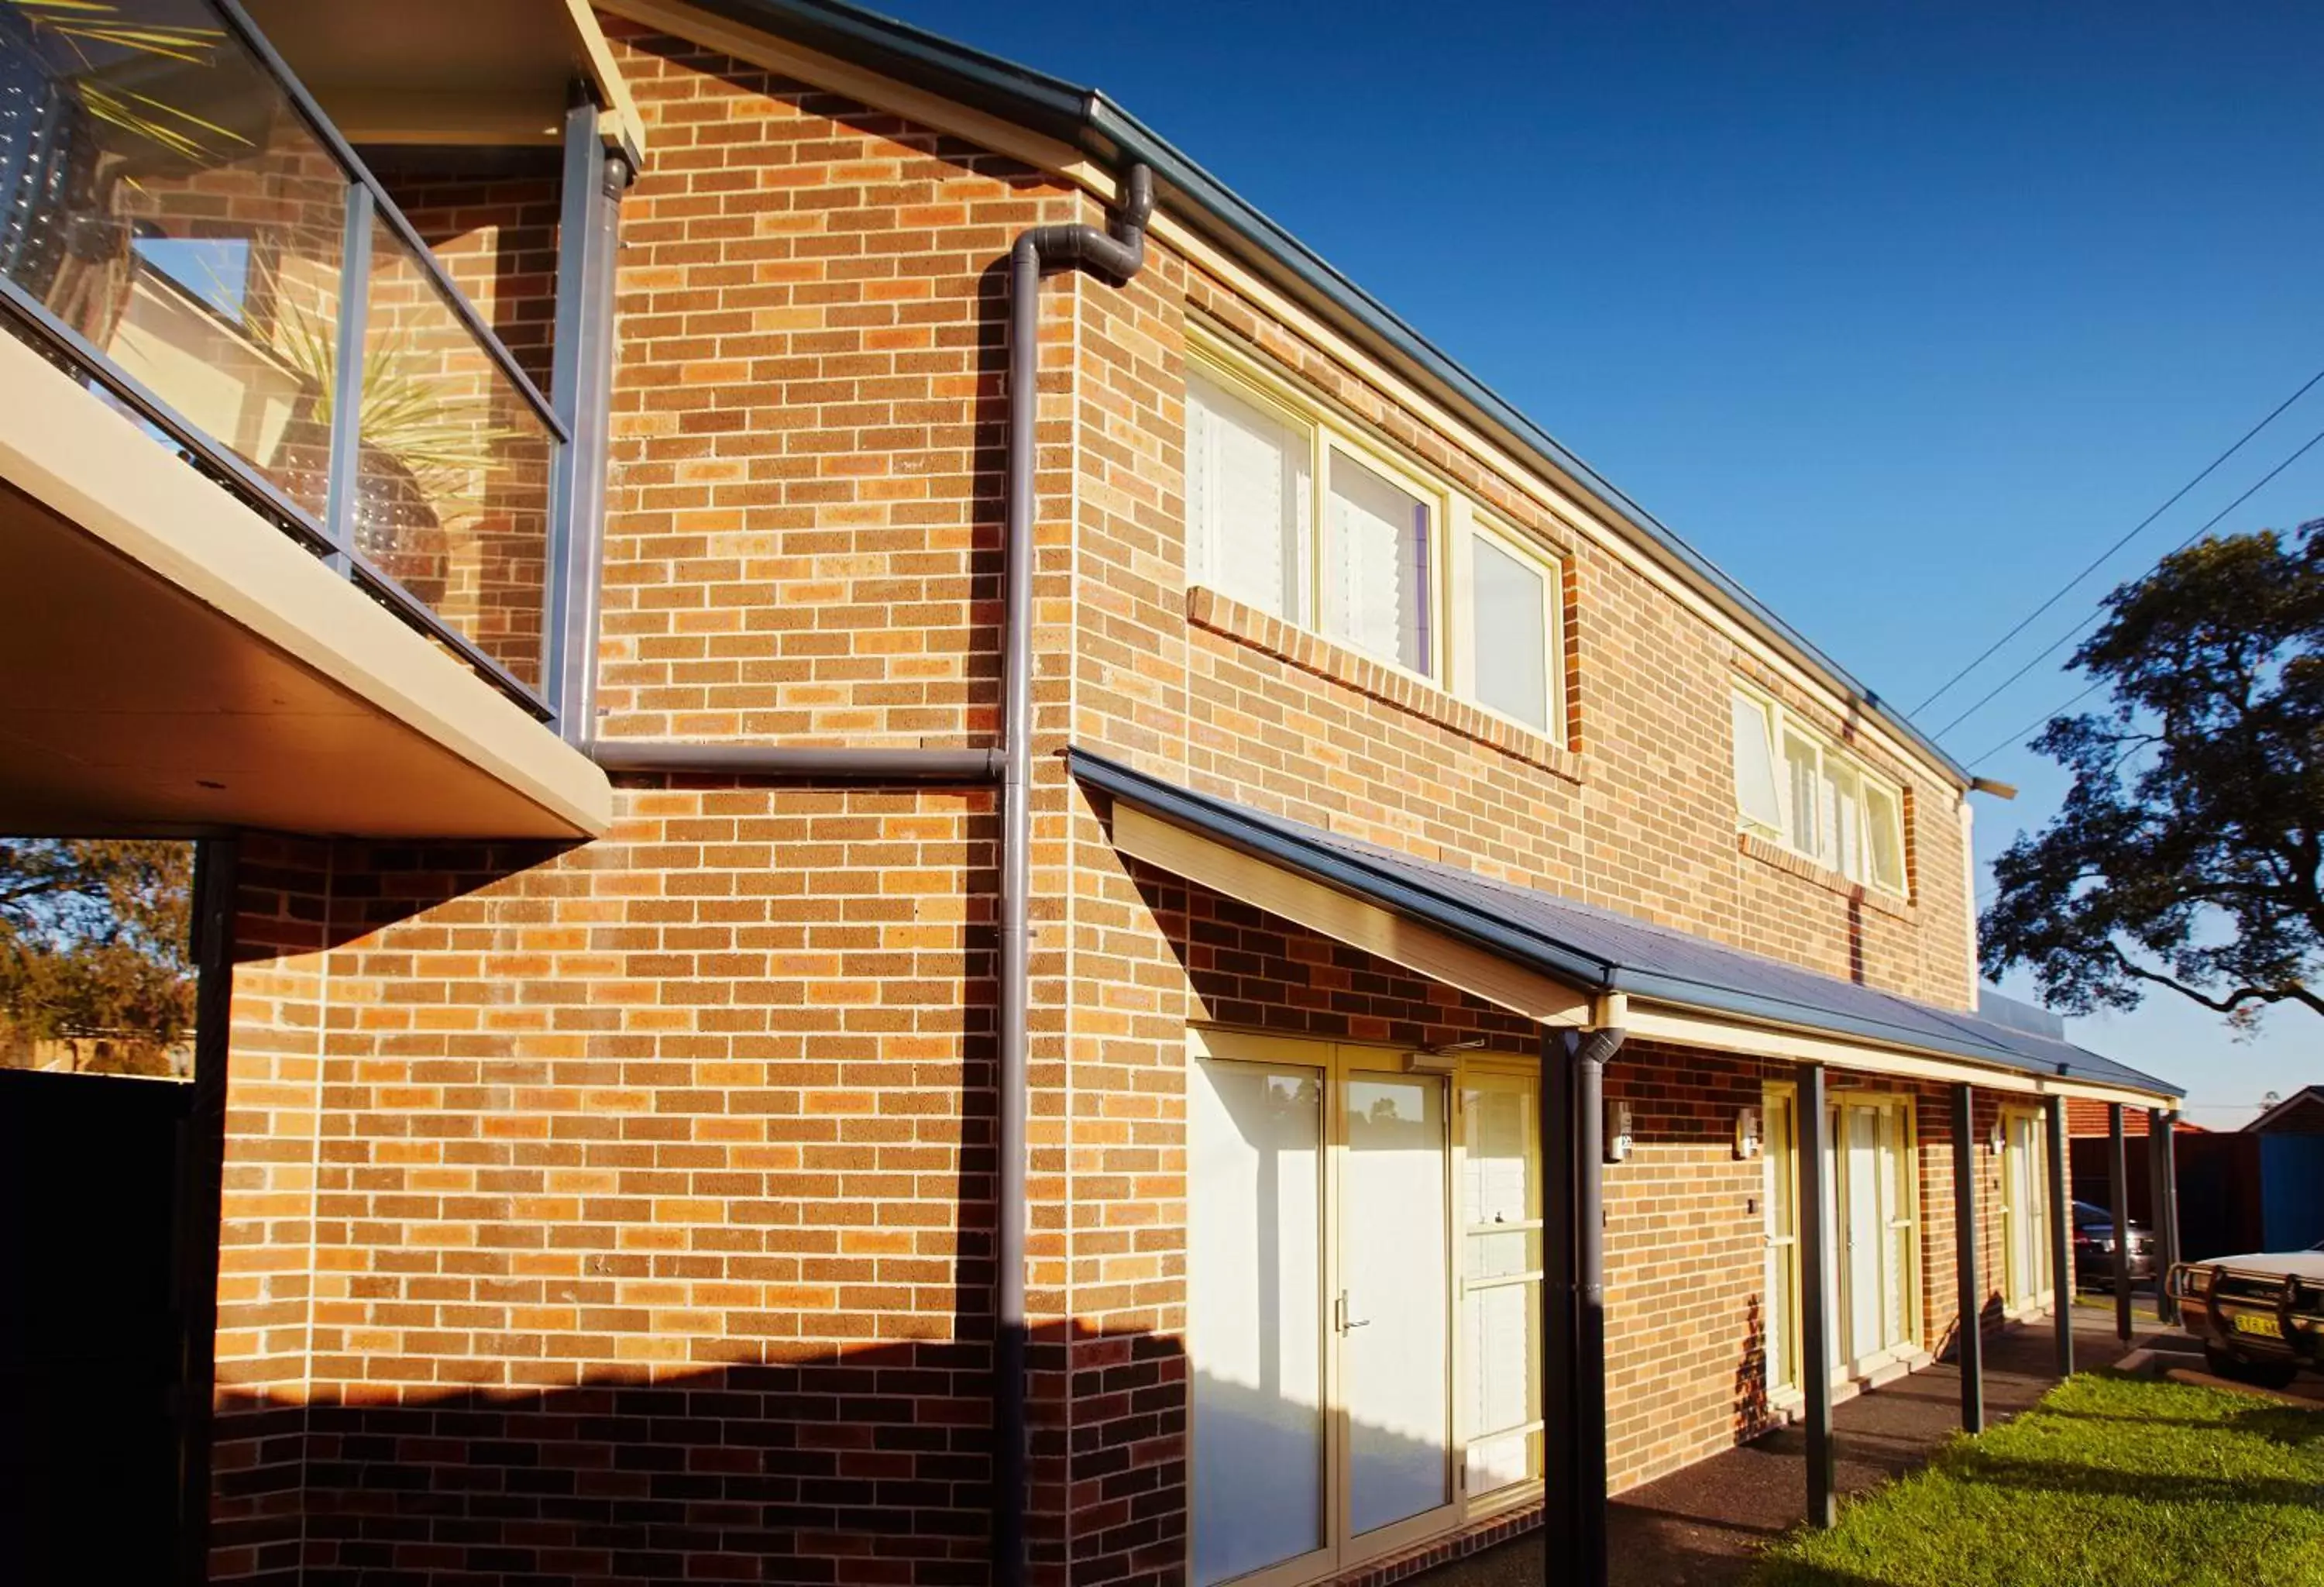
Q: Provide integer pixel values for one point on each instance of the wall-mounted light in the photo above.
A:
(1993, 1140)
(1748, 1142)
(1617, 1133)
(1443, 1058)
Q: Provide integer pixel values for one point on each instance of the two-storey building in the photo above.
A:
(925, 863)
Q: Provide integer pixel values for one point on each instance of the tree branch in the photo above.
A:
(2229, 1004)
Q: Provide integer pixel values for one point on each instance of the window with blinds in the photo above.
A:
(1379, 552)
(1247, 498)
(1795, 787)
(1293, 511)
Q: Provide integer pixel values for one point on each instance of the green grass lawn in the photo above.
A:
(2110, 1482)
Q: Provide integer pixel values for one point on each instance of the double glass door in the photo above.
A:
(1320, 1319)
(1870, 1206)
(2025, 1209)
(1875, 1229)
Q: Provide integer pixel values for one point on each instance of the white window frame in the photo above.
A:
(1214, 360)
(1831, 764)
(1471, 524)
(1204, 560)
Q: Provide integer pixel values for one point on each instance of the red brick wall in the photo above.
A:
(644, 1219)
(666, 1158)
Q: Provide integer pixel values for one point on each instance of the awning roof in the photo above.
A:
(1601, 952)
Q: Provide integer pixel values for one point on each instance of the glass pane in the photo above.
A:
(1781, 1302)
(453, 495)
(1865, 1232)
(1503, 1255)
(1255, 1325)
(1497, 1168)
(1503, 1352)
(1888, 836)
(1896, 1255)
(1496, 1462)
(1375, 567)
(1781, 1345)
(1510, 602)
(1807, 794)
(1754, 767)
(158, 195)
(1246, 500)
(1844, 802)
(1396, 1270)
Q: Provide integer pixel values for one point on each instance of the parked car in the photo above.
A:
(2260, 1316)
(2094, 1247)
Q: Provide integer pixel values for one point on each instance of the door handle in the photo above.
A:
(1344, 1323)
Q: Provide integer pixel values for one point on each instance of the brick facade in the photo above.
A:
(623, 1213)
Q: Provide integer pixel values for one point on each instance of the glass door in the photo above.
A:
(1320, 1267)
(1396, 1340)
(1875, 1229)
(1254, 1314)
(2025, 1209)
(1863, 1233)
(1780, 1186)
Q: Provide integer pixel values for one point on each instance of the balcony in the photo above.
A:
(288, 508)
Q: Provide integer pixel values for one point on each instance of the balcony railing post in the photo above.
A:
(580, 389)
(344, 477)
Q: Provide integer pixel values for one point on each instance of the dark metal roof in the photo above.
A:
(1087, 119)
(1598, 950)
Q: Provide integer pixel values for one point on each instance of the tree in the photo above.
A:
(94, 939)
(2186, 852)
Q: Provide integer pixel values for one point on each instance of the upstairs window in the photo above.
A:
(1379, 555)
(1813, 797)
(1514, 596)
(1295, 510)
(1248, 498)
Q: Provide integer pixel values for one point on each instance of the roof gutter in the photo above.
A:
(1087, 119)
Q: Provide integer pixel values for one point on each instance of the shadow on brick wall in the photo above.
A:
(841, 1466)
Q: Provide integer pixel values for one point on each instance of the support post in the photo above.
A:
(580, 387)
(2163, 1197)
(1815, 1297)
(2061, 1239)
(1969, 1337)
(2118, 1183)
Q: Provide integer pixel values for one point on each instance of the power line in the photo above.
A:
(2071, 635)
(2060, 593)
(2019, 736)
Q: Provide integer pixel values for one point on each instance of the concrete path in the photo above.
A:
(1701, 1527)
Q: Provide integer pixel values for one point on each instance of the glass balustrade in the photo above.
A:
(175, 230)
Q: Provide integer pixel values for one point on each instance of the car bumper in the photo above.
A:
(2096, 1266)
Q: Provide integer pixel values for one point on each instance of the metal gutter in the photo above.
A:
(1381, 885)
(1087, 119)
(898, 765)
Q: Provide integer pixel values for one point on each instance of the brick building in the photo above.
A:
(1071, 949)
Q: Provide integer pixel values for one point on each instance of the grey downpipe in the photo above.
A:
(1122, 254)
(1592, 1051)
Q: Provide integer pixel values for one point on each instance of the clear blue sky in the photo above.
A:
(1899, 312)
